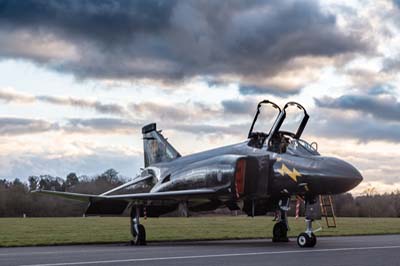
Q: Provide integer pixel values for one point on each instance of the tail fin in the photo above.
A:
(156, 148)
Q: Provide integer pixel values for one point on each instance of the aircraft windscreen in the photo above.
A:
(265, 119)
(301, 147)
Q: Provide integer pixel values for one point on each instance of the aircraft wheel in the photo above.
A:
(139, 238)
(313, 240)
(305, 241)
(280, 233)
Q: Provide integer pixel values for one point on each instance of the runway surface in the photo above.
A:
(352, 251)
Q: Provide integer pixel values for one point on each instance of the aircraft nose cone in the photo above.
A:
(341, 176)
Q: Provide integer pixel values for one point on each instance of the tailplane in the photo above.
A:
(156, 148)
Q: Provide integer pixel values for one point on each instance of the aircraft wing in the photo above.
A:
(116, 204)
(168, 195)
(67, 195)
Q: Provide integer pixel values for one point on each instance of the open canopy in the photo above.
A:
(276, 139)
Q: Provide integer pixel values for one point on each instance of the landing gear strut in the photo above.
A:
(308, 238)
(137, 230)
(281, 228)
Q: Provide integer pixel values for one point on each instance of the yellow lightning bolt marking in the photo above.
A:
(292, 174)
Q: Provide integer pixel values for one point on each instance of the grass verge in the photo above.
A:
(60, 231)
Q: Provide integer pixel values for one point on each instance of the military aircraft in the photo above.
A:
(257, 176)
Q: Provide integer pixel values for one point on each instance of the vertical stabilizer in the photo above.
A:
(155, 147)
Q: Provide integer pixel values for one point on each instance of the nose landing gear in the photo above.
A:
(307, 239)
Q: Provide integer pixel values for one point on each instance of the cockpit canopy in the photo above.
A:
(277, 140)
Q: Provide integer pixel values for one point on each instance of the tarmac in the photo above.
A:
(379, 250)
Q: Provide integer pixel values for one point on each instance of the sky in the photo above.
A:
(78, 80)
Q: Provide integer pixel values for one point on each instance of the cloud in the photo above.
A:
(382, 89)
(123, 126)
(230, 129)
(371, 117)
(360, 128)
(10, 126)
(257, 90)
(239, 107)
(103, 108)
(385, 107)
(171, 40)
(193, 111)
(98, 106)
(391, 65)
(102, 125)
(10, 95)
(20, 126)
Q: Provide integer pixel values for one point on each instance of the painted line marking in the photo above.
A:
(212, 256)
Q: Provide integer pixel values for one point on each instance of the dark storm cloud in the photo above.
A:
(19, 126)
(170, 40)
(385, 108)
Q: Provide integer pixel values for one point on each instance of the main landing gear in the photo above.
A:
(137, 230)
(281, 227)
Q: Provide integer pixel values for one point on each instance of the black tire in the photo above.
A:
(279, 232)
(139, 239)
(305, 241)
(313, 240)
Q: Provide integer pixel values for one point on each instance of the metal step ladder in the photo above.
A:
(327, 210)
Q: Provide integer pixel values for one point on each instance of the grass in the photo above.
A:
(58, 231)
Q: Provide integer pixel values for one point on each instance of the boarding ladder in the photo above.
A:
(327, 210)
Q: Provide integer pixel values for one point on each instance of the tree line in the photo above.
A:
(17, 201)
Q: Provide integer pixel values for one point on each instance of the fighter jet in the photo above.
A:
(256, 176)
